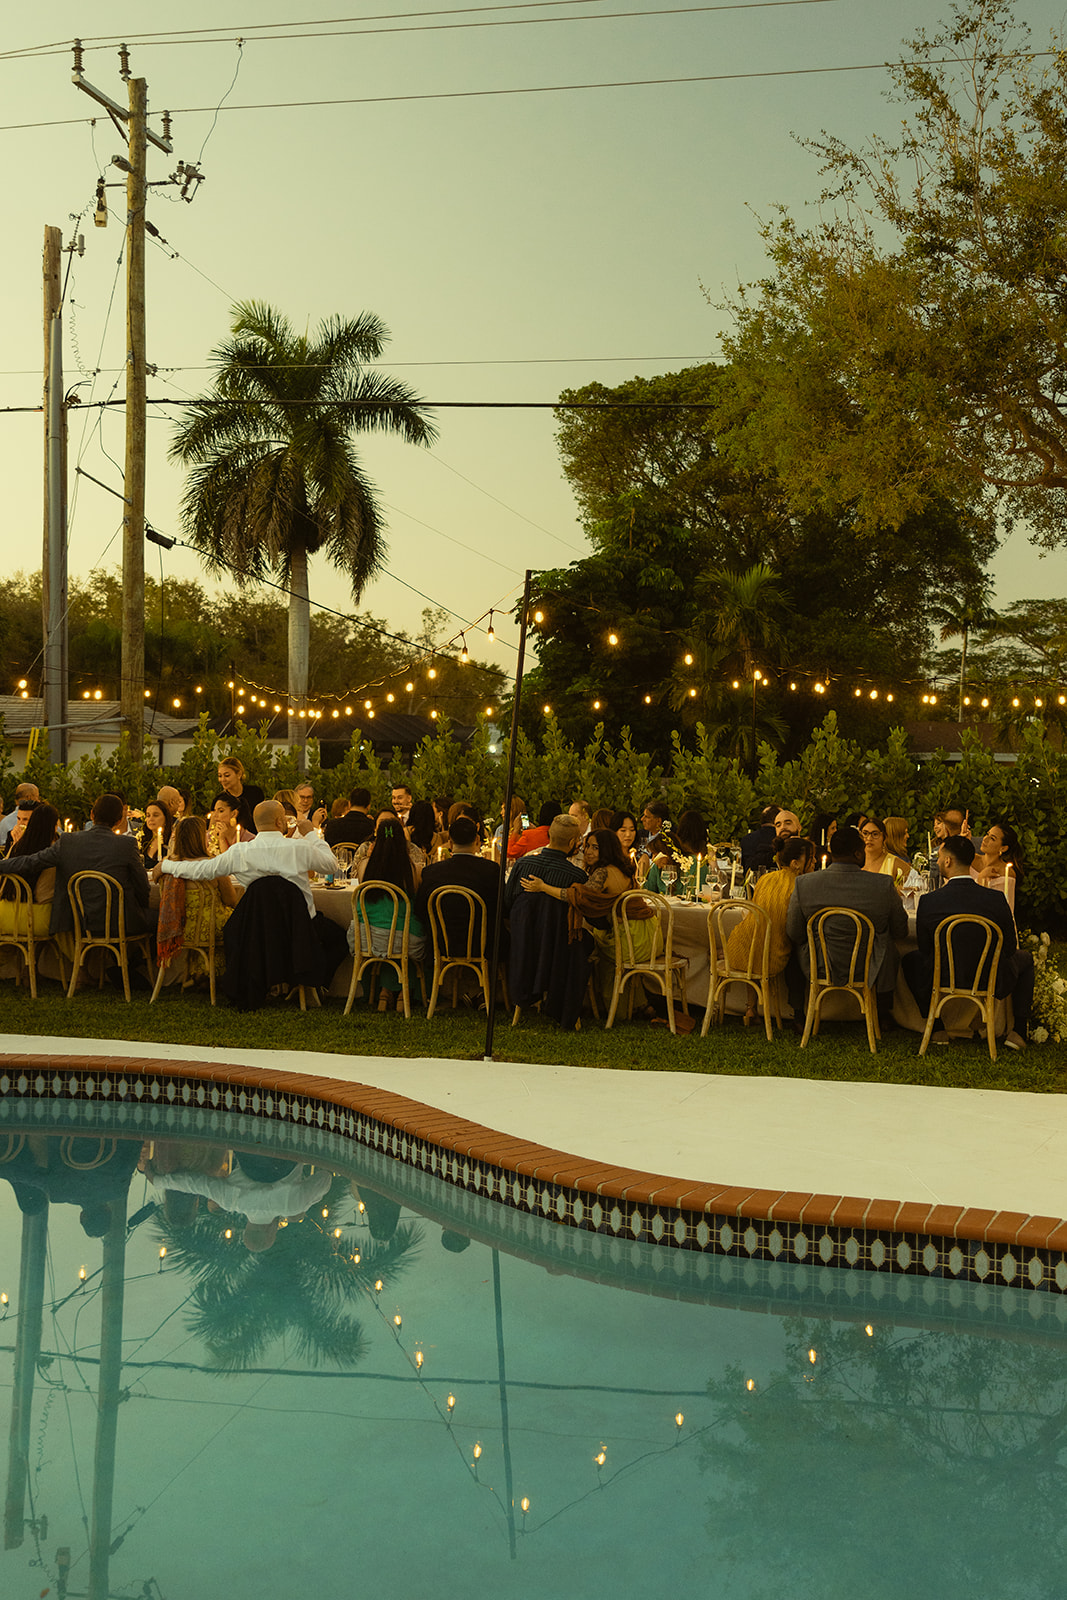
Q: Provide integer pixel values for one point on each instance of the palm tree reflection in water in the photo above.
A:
(301, 1290)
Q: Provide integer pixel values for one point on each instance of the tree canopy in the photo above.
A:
(676, 526)
(910, 345)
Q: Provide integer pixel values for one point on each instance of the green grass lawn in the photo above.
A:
(839, 1053)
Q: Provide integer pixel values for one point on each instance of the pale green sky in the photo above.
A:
(515, 244)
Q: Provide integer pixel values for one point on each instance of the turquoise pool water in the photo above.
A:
(517, 1411)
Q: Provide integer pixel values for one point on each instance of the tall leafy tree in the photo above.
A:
(912, 341)
(274, 476)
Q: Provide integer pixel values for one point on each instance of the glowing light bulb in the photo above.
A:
(539, 616)
(3, 1298)
(98, 694)
(736, 684)
(228, 1234)
(489, 711)
(409, 688)
(688, 659)
(433, 716)
(490, 632)
(378, 1285)
(601, 1456)
(432, 672)
(357, 1258)
(390, 697)
(419, 1359)
(348, 711)
(596, 705)
(813, 1356)
(750, 1384)
(874, 694)
(1015, 700)
(336, 713)
(162, 1251)
(869, 1331)
(648, 699)
(23, 684)
(692, 694)
(613, 638)
(547, 710)
(524, 1504)
(477, 1451)
(82, 1274)
(792, 685)
(337, 1233)
(464, 654)
(985, 702)
(679, 1418)
(326, 1211)
(397, 1320)
(367, 704)
(451, 1403)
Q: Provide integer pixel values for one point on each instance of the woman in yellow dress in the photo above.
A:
(185, 903)
(772, 894)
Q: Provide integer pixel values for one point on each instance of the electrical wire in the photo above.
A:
(549, 88)
(188, 36)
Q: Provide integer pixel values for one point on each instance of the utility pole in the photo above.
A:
(133, 120)
(54, 564)
(132, 693)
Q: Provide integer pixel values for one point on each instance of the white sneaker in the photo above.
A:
(1014, 1041)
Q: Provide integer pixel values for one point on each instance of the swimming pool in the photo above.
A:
(838, 1430)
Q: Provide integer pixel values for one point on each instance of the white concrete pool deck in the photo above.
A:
(975, 1148)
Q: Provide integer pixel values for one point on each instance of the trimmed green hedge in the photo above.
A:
(832, 774)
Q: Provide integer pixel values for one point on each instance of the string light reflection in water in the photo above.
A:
(380, 1387)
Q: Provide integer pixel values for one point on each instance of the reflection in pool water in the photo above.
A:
(366, 1391)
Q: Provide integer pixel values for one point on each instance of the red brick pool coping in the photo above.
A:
(521, 1156)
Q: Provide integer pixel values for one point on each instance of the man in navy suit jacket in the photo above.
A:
(962, 896)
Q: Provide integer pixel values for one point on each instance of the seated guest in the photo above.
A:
(23, 812)
(549, 959)
(297, 825)
(421, 828)
(392, 860)
(786, 826)
(185, 907)
(536, 838)
(689, 839)
(97, 848)
(844, 883)
(41, 832)
(465, 868)
(309, 814)
(896, 835)
(246, 796)
(156, 836)
(518, 811)
(773, 893)
(760, 840)
(224, 826)
(402, 800)
(24, 792)
(579, 810)
(655, 814)
(879, 857)
(963, 896)
(271, 853)
(610, 874)
(356, 825)
(624, 823)
(999, 862)
(601, 819)
(175, 800)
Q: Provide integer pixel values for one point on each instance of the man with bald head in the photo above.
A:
(273, 854)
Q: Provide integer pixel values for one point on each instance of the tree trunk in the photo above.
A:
(299, 640)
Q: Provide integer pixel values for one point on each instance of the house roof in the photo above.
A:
(88, 719)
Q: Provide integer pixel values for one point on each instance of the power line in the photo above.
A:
(550, 88)
(313, 30)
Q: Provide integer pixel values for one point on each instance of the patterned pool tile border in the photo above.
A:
(955, 1243)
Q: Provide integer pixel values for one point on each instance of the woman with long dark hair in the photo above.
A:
(421, 827)
(390, 860)
(38, 834)
(609, 875)
(158, 825)
(999, 862)
(185, 903)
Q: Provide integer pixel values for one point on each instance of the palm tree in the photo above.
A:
(956, 620)
(274, 474)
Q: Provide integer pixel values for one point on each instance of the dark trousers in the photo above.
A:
(332, 942)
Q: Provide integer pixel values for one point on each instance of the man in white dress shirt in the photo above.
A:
(273, 854)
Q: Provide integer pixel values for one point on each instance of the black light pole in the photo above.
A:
(508, 792)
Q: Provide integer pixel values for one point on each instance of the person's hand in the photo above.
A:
(965, 831)
(319, 818)
(535, 886)
(156, 873)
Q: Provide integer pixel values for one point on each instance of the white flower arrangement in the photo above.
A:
(1050, 992)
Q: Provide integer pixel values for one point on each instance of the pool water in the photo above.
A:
(489, 1421)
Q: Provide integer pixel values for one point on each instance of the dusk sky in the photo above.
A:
(514, 243)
